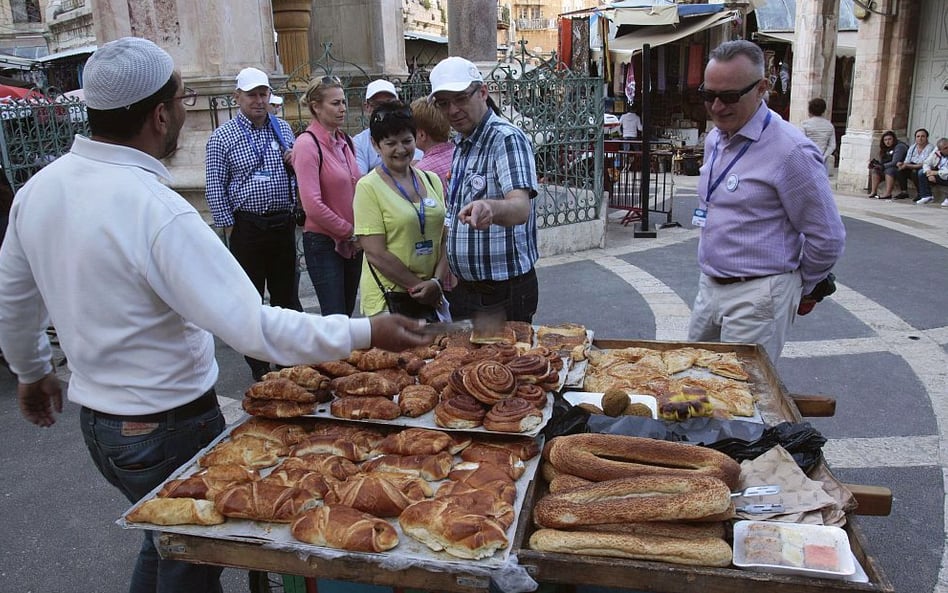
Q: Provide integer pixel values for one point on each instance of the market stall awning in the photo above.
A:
(68, 53)
(780, 16)
(845, 40)
(418, 35)
(632, 43)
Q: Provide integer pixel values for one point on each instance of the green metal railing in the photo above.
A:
(34, 133)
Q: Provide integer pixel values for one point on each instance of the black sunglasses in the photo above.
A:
(379, 116)
(330, 80)
(726, 97)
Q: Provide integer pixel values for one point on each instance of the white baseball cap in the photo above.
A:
(250, 78)
(453, 75)
(125, 71)
(276, 100)
(379, 86)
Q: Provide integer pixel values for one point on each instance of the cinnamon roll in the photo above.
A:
(513, 415)
(555, 361)
(529, 368)
(461, 411)
(488, 381)
(500, 352)
(534, 394)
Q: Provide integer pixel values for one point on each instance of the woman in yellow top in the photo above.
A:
(399, 220)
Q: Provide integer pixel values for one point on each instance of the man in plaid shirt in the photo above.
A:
(250, 194)
(490, 219)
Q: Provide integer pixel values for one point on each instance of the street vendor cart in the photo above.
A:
(774, 405)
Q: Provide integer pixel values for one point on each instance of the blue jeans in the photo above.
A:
(136, 464)
(925, 187)
(335, 278)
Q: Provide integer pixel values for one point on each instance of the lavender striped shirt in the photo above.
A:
(773, 212)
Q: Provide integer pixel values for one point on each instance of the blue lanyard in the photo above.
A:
(256, 148)
(421, 201)
(714, 156)
(456, 180)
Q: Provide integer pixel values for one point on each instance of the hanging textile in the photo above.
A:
(566, 42)
(630, 83)
(603, 25)
(618, 79)
(660, 51)
(581, 46)
(695, 65)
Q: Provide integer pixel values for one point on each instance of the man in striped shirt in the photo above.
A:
(490, 219)
(250, 194)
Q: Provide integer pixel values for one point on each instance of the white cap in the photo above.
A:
(379, 86)
(251, 78)
(125, 71)
(453, 75)
(276, 99)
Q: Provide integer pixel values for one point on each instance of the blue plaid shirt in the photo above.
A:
(245, 170)
(494, 160)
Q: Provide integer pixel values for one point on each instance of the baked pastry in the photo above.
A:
(315, 483)
(344, 528)
(247, 451)
(461, 411)
(327, 464)
(488, 381)
(429, 467)
(374, 359)
(176, 511)
(285, 433)
(523, 331)
(442, 524)
(373, 494)
(529, 368)
(399, 377)
(502, 352)
(556, 362)
(415, 400)
(305, 376)
(365, 384)
(207, 483)
(261, 501)
(278, 408)
(480, 452)
(532, 393)
(364, 407)
(478, 504)
(504, 490)
(280, 388)
(336, 368)
(333, 445)
(706, 551)
(513, 415)
(414, 441)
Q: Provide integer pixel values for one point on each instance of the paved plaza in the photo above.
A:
(879, 345)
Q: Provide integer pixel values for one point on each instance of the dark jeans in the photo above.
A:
(136, 464)
(335, 278)
(518, 297)
(924, 187)
(905, 175)
(266, 249)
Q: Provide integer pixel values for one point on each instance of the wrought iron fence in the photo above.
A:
(34, 133)
(559, 110)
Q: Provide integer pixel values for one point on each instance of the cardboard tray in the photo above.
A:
(657, 577)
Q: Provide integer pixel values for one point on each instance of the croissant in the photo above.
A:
(285, 433)
(414, 441)
(364, 384)
(430, 467)
(247, 451)
(375, 359)
(176, 511)
(344, 528)
(357, 407)
(333, 466)
(399, 377)
(262, 501)
(361, 434)
(208, 483)
(333, 445)
(336, 368)
(305, 376)
(277, 408)
(280, 388)
(415, 400)
(443, 525)
(371, 494)
(314, 483)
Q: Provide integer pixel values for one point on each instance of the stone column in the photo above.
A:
(885, 57)
(814, 55)
(472, 30)
(369, 33)
(291, 18)
(210, 42)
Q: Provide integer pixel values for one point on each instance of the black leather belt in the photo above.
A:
(274, 220)
(734, 279)
(205, 403)
(493, 286)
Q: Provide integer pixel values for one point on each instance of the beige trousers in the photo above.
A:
(755, 312)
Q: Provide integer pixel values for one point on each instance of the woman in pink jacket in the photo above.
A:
(326, 170)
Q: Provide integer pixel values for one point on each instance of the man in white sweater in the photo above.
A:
(136, 284)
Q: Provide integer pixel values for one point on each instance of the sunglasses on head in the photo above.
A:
(726, 97)
(330, 80)
(380, 116)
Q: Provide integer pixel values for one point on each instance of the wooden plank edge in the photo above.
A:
(815, 406)
(872, 500)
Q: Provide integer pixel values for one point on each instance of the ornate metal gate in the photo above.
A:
(34, 133)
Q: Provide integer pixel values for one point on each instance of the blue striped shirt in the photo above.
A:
(245, 171)
(494, 160)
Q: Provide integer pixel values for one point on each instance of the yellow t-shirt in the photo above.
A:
(380, 210)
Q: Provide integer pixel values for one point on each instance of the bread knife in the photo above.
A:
(760, 509)
(757, 491)
(438, 328)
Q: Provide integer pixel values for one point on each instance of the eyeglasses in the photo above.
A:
(726, 97)
(380, 116)
(459, 100)
(188, 98)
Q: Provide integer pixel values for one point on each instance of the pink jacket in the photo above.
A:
(327, 191)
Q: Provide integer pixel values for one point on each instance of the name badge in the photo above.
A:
(478, 182)
(274, 145)
(699, 218)
(424, 247)
(732, 182)
(261, 175)
(430, 203)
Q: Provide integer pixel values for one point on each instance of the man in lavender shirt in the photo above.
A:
(770, 230)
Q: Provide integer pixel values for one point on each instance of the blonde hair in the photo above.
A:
(430, 119)
(316, 91)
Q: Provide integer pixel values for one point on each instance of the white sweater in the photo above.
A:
(135, 283)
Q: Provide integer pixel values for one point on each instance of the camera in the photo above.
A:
(299, 216)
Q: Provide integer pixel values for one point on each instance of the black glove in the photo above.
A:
(823, 289)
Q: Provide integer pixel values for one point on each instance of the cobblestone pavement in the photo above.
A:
(880, 345)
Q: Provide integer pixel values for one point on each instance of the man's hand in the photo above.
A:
(478, 214)
(39, 400)
(397, 332)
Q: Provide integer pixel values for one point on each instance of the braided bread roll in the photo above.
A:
(373, 494)
(341, 445)
(315, 483)
(414, 441)
(488, 381)
(513, 415)
(206, 484)
(261, 501)
(327, 464)
(430, 467)
(445, 525)
(344, 528)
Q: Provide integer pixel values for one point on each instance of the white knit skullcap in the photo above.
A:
(125, 71)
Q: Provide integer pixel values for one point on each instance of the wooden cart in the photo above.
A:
(775, 405)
